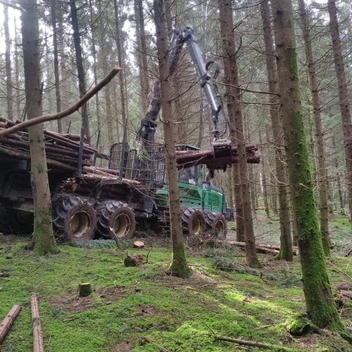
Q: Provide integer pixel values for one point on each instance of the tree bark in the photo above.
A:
(279, 141)
(38, 345)
(319, 133)
(8, 320)
(316, 285)
(121, 63)
(80, 69)
(178, 265)
(43, 236)
(236, 122)
(8, 64)
(343, 96)
(142, 53)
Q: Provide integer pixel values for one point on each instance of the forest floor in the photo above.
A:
(221, 307)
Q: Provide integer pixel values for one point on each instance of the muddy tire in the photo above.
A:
(74, 219)
(193, 222)
(23, 222)
(13, 221)
(5, 221)
(216, 224)
(115, 220)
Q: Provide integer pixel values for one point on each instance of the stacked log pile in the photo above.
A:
(187, 158)
(62, 150)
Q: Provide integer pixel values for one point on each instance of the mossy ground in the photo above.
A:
(143, 309)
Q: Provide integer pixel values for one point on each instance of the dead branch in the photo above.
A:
(6, 3)
(244, 342)
(156, 345)
(8, 320)
(261, 248)
(69, 111)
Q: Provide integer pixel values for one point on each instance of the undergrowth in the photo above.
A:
(143, 309)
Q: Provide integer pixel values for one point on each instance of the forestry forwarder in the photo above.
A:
(90, 201)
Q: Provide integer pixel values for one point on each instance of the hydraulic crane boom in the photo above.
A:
(148, 122)
(186, 35)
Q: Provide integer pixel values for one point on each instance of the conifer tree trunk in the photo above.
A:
(178, 265)
(43, 236)
(236, 122)
(142, 53)
(343, 96)
(9, 83)
(56, 65)
(120, 63)
(95, 64)
(18, 97)
(264, 182)
(279, 141)
(320, 304)
(80, 69)
(319, 133)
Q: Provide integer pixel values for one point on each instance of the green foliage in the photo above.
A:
(95, 244)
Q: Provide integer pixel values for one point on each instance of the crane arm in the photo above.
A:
(186, 35)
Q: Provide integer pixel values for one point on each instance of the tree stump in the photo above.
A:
(133, 260)
(138, 244)
(85, 289)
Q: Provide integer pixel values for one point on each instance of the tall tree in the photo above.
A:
(80, 68)
(178, 265)
(343, 96)
(120, 57)
(320, 305)
(43, 236)
(56, 64)
(279, 142)
(8, 64)
(142, 53)
(236, 122)
(319, 133)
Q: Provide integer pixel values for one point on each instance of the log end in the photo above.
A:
(85, 289)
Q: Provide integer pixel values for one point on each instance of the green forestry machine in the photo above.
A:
(95, 202)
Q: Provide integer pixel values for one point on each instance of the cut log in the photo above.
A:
(84, 289)
(138, 244)
(223, 159)
(8, 320)
(38, 345)
(261, 248)
(133, 260)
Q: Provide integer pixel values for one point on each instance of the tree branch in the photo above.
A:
(68, 111)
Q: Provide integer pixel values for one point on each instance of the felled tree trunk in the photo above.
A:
(38, 345)
(8, 320)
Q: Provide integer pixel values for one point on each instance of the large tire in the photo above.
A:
(74, 219)
(23, 221)
(14, 221)
(216, 224)
(5, 221)
(193, 222)
(115, 220)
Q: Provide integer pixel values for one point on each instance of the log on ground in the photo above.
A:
(38, 345)
(8, 320)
